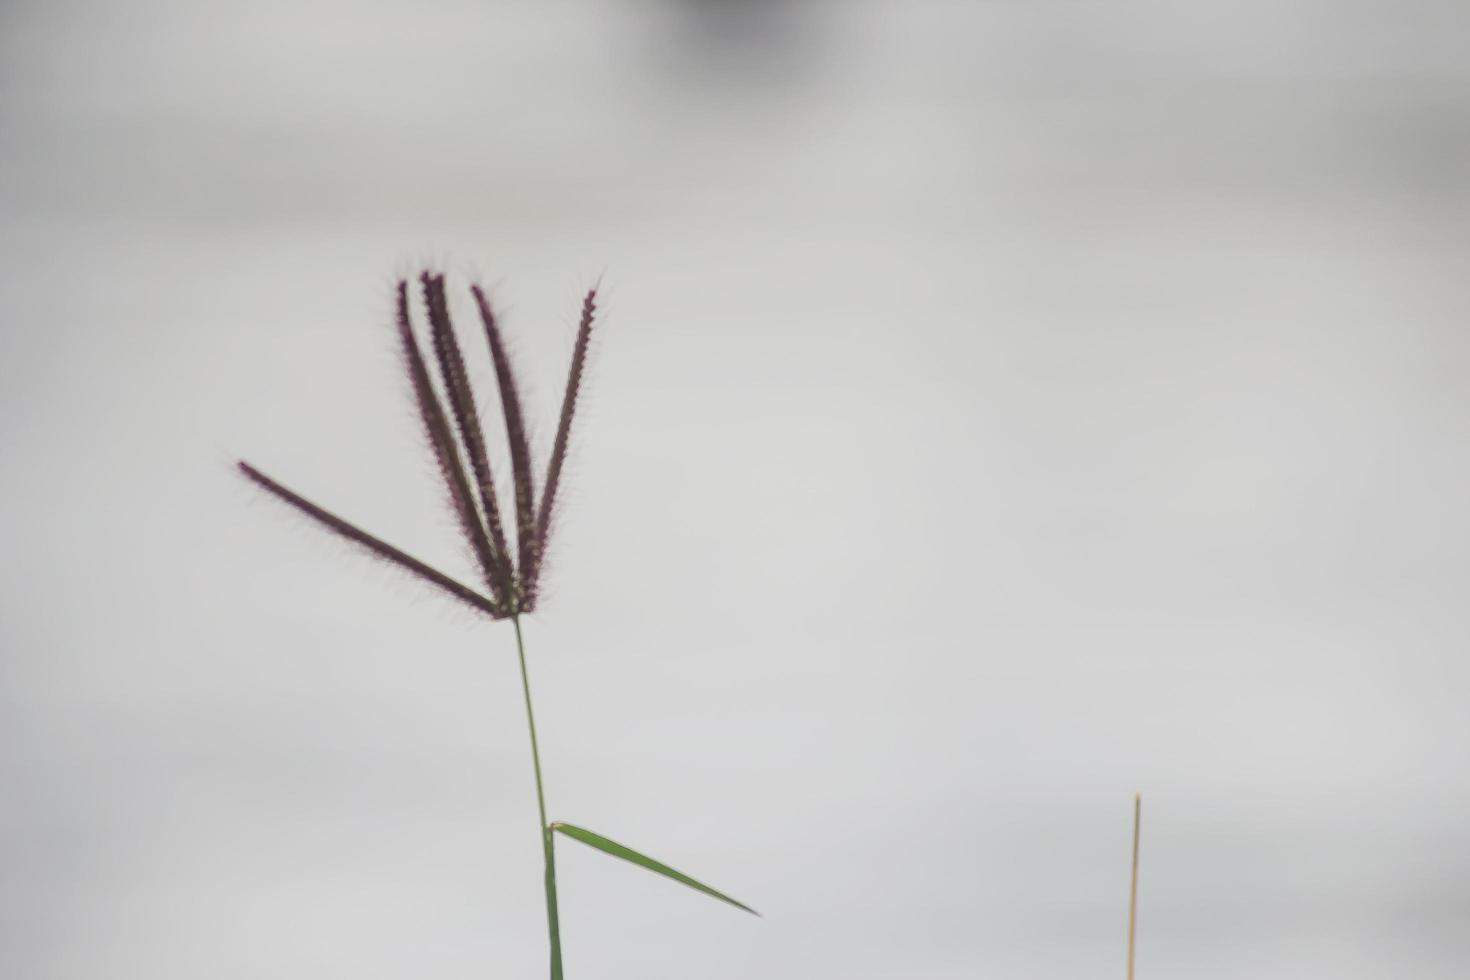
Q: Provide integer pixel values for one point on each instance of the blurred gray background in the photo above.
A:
(1002, 408)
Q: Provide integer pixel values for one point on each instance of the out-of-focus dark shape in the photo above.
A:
(749, 42)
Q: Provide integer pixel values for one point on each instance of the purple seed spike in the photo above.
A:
(441, 440)
(520, 448)
(462, 403)
(377, 547)
(563, 433)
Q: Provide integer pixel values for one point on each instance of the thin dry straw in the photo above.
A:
(520, 448)
(442, 439)
(1133, 889)
(374, 545)
(462, 403)
(563, 430)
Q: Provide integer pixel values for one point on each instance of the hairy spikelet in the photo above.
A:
(563, 432)
(377, 547)
(511, 574)
(520, 448)
(462, 402)
(441, 440)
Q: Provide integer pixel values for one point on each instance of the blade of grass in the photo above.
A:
(642, 860)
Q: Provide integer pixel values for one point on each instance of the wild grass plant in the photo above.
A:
(509, 554)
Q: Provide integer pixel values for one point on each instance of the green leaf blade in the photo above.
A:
(643, 861)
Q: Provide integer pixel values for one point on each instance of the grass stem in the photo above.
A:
(553, 925)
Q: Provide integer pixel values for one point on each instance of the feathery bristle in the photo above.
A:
(520, 448)
(441, 439)
(513, 580)
(563, 433)
(376, 546)
(466, 416)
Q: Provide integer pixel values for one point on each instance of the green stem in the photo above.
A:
(553, 926)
